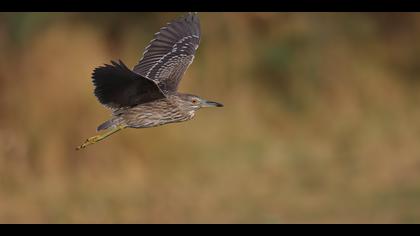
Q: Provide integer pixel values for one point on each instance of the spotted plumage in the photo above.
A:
(147, 96)
(170, 52)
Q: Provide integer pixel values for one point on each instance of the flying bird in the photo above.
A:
(147, 96)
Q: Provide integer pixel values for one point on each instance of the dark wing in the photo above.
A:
(117, 86)
(169, 54)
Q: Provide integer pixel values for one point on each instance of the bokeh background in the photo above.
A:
(321, 122)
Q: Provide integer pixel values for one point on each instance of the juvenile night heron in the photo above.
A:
(147, 95)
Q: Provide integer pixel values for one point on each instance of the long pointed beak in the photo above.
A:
(211, 104)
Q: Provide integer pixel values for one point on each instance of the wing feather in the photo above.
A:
(117, 86)
(169, 54)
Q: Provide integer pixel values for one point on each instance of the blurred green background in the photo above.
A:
(321, 122)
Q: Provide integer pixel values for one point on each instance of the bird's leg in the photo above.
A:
(99, 137)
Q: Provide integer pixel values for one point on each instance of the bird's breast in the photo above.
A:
(191, 114)
(145, 116)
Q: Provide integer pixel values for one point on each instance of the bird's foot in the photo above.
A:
(99, 137)
(90, 141)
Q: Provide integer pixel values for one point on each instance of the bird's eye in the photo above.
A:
(194, 101)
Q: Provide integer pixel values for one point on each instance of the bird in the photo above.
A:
(147, 96)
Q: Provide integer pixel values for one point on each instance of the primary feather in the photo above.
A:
(117, 86)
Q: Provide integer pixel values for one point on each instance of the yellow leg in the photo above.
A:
(99, 137)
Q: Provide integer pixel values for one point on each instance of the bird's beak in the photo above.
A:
(211, 104)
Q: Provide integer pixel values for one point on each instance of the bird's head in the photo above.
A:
(193, 102)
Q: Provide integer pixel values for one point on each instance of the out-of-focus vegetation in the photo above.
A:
(321, 121)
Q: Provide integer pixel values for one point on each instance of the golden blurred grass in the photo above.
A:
(320, 124)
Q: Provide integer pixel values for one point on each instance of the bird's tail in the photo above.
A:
(106, 125)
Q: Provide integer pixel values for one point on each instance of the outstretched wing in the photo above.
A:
(169, 54)
(117, 86)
